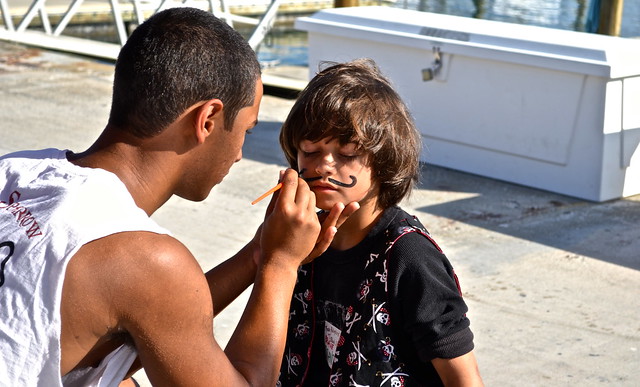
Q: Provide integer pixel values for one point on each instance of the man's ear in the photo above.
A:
(208, 115)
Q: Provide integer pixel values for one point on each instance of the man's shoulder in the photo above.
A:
(139, 248)
(134, 267)
(136, 259)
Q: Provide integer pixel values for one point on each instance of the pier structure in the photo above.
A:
(49, 24)
(42, 23)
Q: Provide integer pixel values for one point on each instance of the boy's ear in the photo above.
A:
(208, 115)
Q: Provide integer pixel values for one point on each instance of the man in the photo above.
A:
(89, 283)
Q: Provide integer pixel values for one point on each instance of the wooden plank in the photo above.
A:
(610, 17)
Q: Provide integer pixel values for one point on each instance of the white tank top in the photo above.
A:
(49, 208)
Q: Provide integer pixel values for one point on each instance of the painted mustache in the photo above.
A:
(333, 181)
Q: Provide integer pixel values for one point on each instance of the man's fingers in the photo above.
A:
(304, 196)
(289, 186)
(324, 241)
(330, 223)
(348, 210)
(333, 216)
(339, 214)
(272, 203)
(312, 198)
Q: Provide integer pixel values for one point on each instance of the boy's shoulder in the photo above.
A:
(403, 224)
(410, 246)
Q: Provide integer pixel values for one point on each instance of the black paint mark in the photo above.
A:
(354, 181)
(4, 261)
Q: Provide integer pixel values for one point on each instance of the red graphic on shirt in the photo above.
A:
(23, 216)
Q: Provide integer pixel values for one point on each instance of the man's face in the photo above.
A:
(231, 141)
(223, 148)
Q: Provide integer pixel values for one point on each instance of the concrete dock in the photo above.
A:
(552, 282)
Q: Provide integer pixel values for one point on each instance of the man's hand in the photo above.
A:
(330, 222)
(291, 228)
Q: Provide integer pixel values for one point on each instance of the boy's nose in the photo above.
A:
(326, 165)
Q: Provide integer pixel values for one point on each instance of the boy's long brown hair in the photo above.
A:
(354, 102)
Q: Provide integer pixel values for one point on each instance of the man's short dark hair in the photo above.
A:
(179, 57)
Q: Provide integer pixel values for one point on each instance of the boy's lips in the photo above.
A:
(323, 187)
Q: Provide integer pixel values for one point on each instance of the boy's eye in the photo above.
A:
(307, 154)
(349, 157)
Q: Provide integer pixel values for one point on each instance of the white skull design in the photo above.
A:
(383, 317)
(352, 358)
(295, 360)
(397, 381)
(335, 379)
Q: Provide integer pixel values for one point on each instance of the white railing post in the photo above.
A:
(44, 18)
(6, 16)
(31, 13)
(66, 18)
(265, 25)
(117, 18)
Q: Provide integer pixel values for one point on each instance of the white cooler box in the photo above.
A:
(552, 109)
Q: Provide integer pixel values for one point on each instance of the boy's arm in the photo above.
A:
(459, 371)
(424, 285)
(231, 277)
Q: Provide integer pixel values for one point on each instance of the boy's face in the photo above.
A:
(336, 173)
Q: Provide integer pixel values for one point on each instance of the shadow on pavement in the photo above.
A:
(608, 231)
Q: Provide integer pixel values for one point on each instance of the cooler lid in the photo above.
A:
(593, 54)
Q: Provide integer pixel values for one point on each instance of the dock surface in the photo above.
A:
(552, 282)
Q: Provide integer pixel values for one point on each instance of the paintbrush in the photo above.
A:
(269, 192)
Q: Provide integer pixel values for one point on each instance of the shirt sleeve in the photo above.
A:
(426, 301)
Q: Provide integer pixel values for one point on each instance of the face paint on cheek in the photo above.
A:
(308, 179)
(354, 180)
(345, 185)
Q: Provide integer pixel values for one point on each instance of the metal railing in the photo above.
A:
(47, 35)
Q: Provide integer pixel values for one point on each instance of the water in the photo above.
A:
(285, 46)
(561, 14)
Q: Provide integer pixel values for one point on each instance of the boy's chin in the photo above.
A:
(324, 205)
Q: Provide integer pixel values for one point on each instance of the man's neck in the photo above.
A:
(140, 170)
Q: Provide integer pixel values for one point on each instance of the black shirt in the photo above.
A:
(424, 301)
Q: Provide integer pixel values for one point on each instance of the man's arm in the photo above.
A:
(161, 298)
(289, 234)
(162, 302)
(458, 372)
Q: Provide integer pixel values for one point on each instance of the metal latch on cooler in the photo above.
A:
(430, 72)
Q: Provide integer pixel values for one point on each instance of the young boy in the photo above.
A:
(382, 305)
